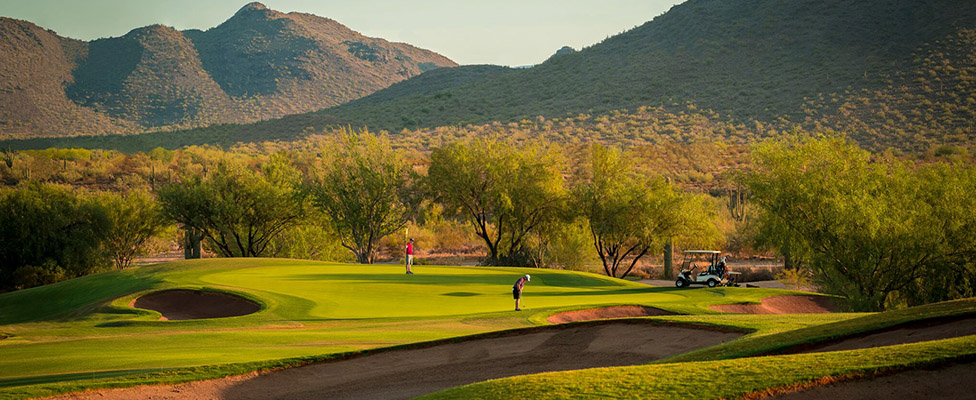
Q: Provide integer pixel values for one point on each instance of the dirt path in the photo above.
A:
(956, 381)
(404, 374)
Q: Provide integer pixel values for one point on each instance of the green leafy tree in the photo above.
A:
(878, 232)
(49, 234)
(365, 191)
(505, 191)
(237, 209)
(630, 215)
(136, 217)
(949, 223)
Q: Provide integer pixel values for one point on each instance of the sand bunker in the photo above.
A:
(181, 304)
(606, 313)
(782, 305)
(954, 381)
(407, 373)
(922, 331)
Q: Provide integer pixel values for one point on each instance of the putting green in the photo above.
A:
(85, 329)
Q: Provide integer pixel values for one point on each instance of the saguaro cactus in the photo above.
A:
(8, 158)
(737, 203)
(191, 242)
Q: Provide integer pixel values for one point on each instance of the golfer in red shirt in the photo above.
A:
(409, 256)
(517, 290)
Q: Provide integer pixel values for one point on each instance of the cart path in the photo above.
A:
(955, 381)
(400, 374)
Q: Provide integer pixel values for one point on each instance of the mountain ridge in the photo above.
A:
(257, 65)
(888, 73)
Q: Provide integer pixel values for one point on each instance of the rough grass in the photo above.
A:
(81, 333)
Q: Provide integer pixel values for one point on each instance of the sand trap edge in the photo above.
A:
(591, 314)
(188, 304)
(786, 304)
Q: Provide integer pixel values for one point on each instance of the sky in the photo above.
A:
(502, 32)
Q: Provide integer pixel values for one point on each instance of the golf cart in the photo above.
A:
(702, 267)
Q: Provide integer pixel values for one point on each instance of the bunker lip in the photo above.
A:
(606, 313)
(448, 363)
(911, 332)
(937, 381)
(184, 304)
(790, 304)
(940, 381)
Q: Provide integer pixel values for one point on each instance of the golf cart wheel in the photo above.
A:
(712, 283)
(679, 283)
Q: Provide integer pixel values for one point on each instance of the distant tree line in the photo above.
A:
(351, 193)
(883, 232)
(49, 233)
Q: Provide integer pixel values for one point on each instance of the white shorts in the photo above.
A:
(409, 259)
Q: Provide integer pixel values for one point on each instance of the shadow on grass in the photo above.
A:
(72, 299)
(35, 380)
(416, 279)
(461, 294)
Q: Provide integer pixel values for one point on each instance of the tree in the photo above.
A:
(505, 191)
(237, 209)
(631, 215)
(48, 234)
(364, 191)
(948, 222)
(879, 232)
(135, 217)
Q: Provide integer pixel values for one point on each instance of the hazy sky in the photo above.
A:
(503, 32)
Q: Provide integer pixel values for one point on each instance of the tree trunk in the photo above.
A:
(668, 260)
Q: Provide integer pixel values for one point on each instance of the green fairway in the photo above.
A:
(83, 332)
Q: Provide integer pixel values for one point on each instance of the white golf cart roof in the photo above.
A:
(701, 252)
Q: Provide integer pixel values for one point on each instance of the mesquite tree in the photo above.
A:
(879, 232)
(505, 191)
(365, 191)
(631, 215)
(239, 210)
(136, 218)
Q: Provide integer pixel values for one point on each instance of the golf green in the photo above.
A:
(85, 329)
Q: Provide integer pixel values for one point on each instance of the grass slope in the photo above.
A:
(81, 333)
(733, 378)
(740, 373)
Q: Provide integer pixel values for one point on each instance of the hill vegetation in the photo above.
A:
(887, 73)
(759, 62)
(259, 64)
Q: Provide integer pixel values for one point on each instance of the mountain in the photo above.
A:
(257, 65)
(889, 73)
(747, 59)
(564, 50)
